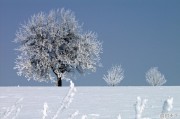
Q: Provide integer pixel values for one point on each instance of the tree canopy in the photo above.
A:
(55, 42)
(154, 77)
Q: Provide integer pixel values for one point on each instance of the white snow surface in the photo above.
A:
(94, 102)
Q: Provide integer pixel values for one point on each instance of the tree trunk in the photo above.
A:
(59, 82)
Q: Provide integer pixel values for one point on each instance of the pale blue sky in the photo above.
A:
(138, 34)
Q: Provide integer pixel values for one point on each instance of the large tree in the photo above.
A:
(154, 77)
(54, 43)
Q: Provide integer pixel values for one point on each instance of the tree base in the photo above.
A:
(59, 82)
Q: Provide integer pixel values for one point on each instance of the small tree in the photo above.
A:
(154, 77)
(55, 43)
(115, 75)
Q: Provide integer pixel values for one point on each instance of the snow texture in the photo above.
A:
(54, 42)
(115, 75)
(154, 77)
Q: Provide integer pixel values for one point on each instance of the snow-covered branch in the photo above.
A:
(45, 110)
(84, 117)
(72, 116)
(67, 100)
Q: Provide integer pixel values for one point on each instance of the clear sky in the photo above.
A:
(138, 34)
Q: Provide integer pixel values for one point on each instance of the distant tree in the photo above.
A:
(114, 76)
(54, 42)
(154, 77)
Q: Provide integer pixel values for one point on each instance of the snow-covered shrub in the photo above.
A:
(115, 75)
(54, 42)
(168, 105)
(154, 77)
(139, 108)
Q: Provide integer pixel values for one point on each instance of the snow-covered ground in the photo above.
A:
(91, 102)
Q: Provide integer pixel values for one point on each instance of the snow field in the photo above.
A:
(88, 102)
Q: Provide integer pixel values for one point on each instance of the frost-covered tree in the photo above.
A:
(154, 77)
(114, 76)
(54, 43)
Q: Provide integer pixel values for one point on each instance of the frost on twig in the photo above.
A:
(14, 108)
(139, 107)
(72, 116)
(45, 110)
(84, 117)
(69, 97)
(17, 112)
(67, 100)
(119, 116)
